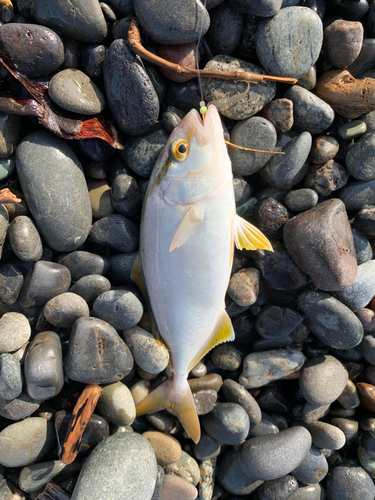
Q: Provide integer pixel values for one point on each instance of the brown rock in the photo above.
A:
(212, 381)
(324, 148)
(346, 95)
(175, 487)
(343, 42)
(280, 113)
(366, 395)
(204, 401)
(243, 287)
(367, 318)
(326, 178)
(167, 449)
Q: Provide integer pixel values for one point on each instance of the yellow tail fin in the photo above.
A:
(175, 395)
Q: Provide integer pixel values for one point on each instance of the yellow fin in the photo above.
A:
(183, 233)
(175, 395)
(223, 332)
(249, 237)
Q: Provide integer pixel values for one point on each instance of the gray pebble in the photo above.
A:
(324, 148)
(236, 393)
(326, 436)
(116, 231)
(122, 309)
(90, 287)
(242, 190)
(314, 411)
(300, 200)
(11, 281)
(360, 158)
(7, 166)
(24, 239)
(349, 398)
(367, 348)
(348, 426)
(357, 195)
(360, 293)
(231, 477)
(278, 489)
(266, 426)
(206, 448)
(362, 246)
(64, 309)
(20, 407)
(225, 29)
(171, 118)
(10, 134)
(308, 81)
(347, 482)
(116, 404)
(313, 468)
(227, 422)
(310, 492)
(226, 357)
(149, 354)
(34, 476)
(364, 221)
(120, 268)
(10, 377)
(125, 196)
(15, 331)
(81, 263)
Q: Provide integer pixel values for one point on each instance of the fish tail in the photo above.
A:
(175, 395)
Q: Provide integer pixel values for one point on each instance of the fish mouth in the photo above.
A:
(204, 131)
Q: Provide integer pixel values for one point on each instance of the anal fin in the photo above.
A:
(248, 236)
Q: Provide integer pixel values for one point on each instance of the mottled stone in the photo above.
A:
(149, 354)
(35, 476)
(270, 216)
(167, 449)
(116, 404)
(226, 357)
(185, 467)
(20, 407)
(90, 287)
(10, 377)
(326, 178)
(15, 331)
(81, 263)
(24, 239)
(117, 232)
(122, 309)
(227, 422)
(324, 148)
(280, 113)
(343, 42)
(243, 287)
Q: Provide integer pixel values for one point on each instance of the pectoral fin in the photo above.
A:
(185, 229)
(248, 236)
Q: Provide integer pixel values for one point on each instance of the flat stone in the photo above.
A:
(24, 239)
(122, 309)
(344, 482)
(35, 476)
(116, 404)
(117, 232)
(326, 178)
(20, 407)
(177, 487)
(227, 423)
(81, 263)
(326, 436)
(265, 427)
(10, 377)
(185, 467)
(167, 449)
(236, 393)
(90, 287)
(15, 331)
(343, 42)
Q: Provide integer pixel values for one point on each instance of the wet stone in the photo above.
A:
(10, 134)
(44, 366)
(360, 293)
(31, 49)
(324, 148)
(14, 331)
(206, 448)
(313, 469)
(130, 94)
(360, 158)
(277, 37)
(236, 393)
(125, 196)
(116, 404)
(274, 322)
(24, 239)
(20, 407)
(326, 178)
(117, 232)
(225, 29)
(285, 171)
(357, 195)
(320, 241)
(300, 200)
(346, 481)
(122, 309)
(64, 309)
(311, 114)
(243, 287)
(100, 198)
(257, 97)
(185, 467)
(227, 423)
(81, 263)
(92, 57)
(226, 357)
(64, 219)
(96, 354)
(270, 217)
(257, 366)
(25, 442)
(326, 436)
(352, 130)
(204, 401)
(177, 487)
(10, 377)
(167, 449)
(273, 456)
(362, 247)
(278, 489)
(147, 352)
(343, 42)
(90, 287)
(256, 133)
(280, 113)
(367, 318)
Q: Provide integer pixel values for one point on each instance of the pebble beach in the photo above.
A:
(287, 409)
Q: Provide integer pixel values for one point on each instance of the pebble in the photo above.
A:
(184, 55)
(228, 423)
(120, 268)
(231, 477)
(96, 353)
(31, 49)
(81, 263)
(148, 353)
(359, 294)
(242, 190)
(35, 476)
(260, 368)
(257, 8)
(236, 393)
(7, 166)
(280, 113)
(185, 467)
(10, 134)
(326, 178)
(343, 42)
(162, 420)
(349, 398)
(278, 489)
(44, 373)
(177, 487)
(348, 426)
(274, 322)
(226, 357)
(92, 57)
(287, 448)
(243, 287)
(130, 94)
(366, 394)
(116, 404)
(313, 412)
(24, 239)
(10, 377)
(117, 232)
(64, 219)
(20, 407)
(122, 309)
(326, 436)
(346, 482)
(360, 159)
(167, 449)
(300, 200)
(100, 198)
(367, 318)
(308, 81)
(357, 195)
(352, 130)
(265, 427)
(125, 195)
(90, 287)
(296, 30)
(323, 149)
(64, 309)
(257, 97)
(318, 369)
(225, 29)
(285, 171)
(206, 448)
(121, 466)
(310, 492)
(15, 331)
(313, 469)
(367, 348)
(364, 221)
(25, 442)
(320, 242)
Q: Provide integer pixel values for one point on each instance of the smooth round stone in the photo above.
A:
(44, 373)
(256, 133)
(206, 448)
(226, 357)
(280, 113)
(20, 407)
(185, 467)
(326, 178)
(81, 263)
(211, 381)
(330, 320)
(270, 216)
(204, 401)
(25, 442)
(242, 191)
(272, 456)
(362, 247)
(310, 492)
(96, 353)
(130, 94)
(257, 97)
(177, 487)
(225, 29)
(326, 436)
(90, 287)
(367, 348)
(357, 195)
(121, 466)
(364, 221)
(300, 200)
(100, 198)
(262, 8)
(171, 118)
(116, 404)
(308, 81)
(366, 395)
(184, 55)
(243, 286)
(149, 354)
(64, 309)
(15, 331)
(85, 22)
(360, 293)
(314, 240)
(31, 49)
(120, 268)
(349, 398)
(125, 196)
(278, 489)
(360, 158)
(274, 322)
(172, 23)
(313, 412)
(311, 113)
(44, 281)
(92, 57)
(35, 476)
(10, 377)
(285, 171)
(313, 468)
(265, 427)
(199, 370)
(231, 477)
(142, 152)
(228, 423)
(236, 393)
(348, 482)
(352, 130)
(343, 42)
(122, 309)
(7, 166)
(167, 449)
(324, 148)
(116, 231)
(24, 239)
(10, 134)
(348, 426)
(260, 368)
(64, 219)
(162, 420)
(293, 30)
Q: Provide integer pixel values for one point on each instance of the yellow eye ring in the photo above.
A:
(180, 149)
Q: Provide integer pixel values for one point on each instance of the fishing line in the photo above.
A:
(202, 104)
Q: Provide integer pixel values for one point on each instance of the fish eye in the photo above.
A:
(180, 149)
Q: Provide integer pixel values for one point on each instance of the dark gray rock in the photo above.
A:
(31, 49)
(273, 456)
(231, 477)
(360, 158)
(357, 195)
(326, 436)
(275, 322)
(96, 354)
(122, 309)
(120, 268)
(10, 133)
(236, 393)
(15, 331)
(367, 348)
(24, 239)
(364, 221)
(10, 377)
(270, 216)
(81, 263)
(46, 164)
(349, 398)
(116, 231)
(225, 29)
(90, 287)
(64, 309)
(360, 293)
(278, 489)
(300, 200)
(296, 30)
(130, 94)
(362, 246)
(125, 196)
(11, 281)
(326, 178)
(346, 482)
(313, 469)
(19, 408)
(229, 423)
(312, 412)
(266, 426)
(262, 8)
(206, 448)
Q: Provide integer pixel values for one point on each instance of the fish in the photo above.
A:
(189, 228)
